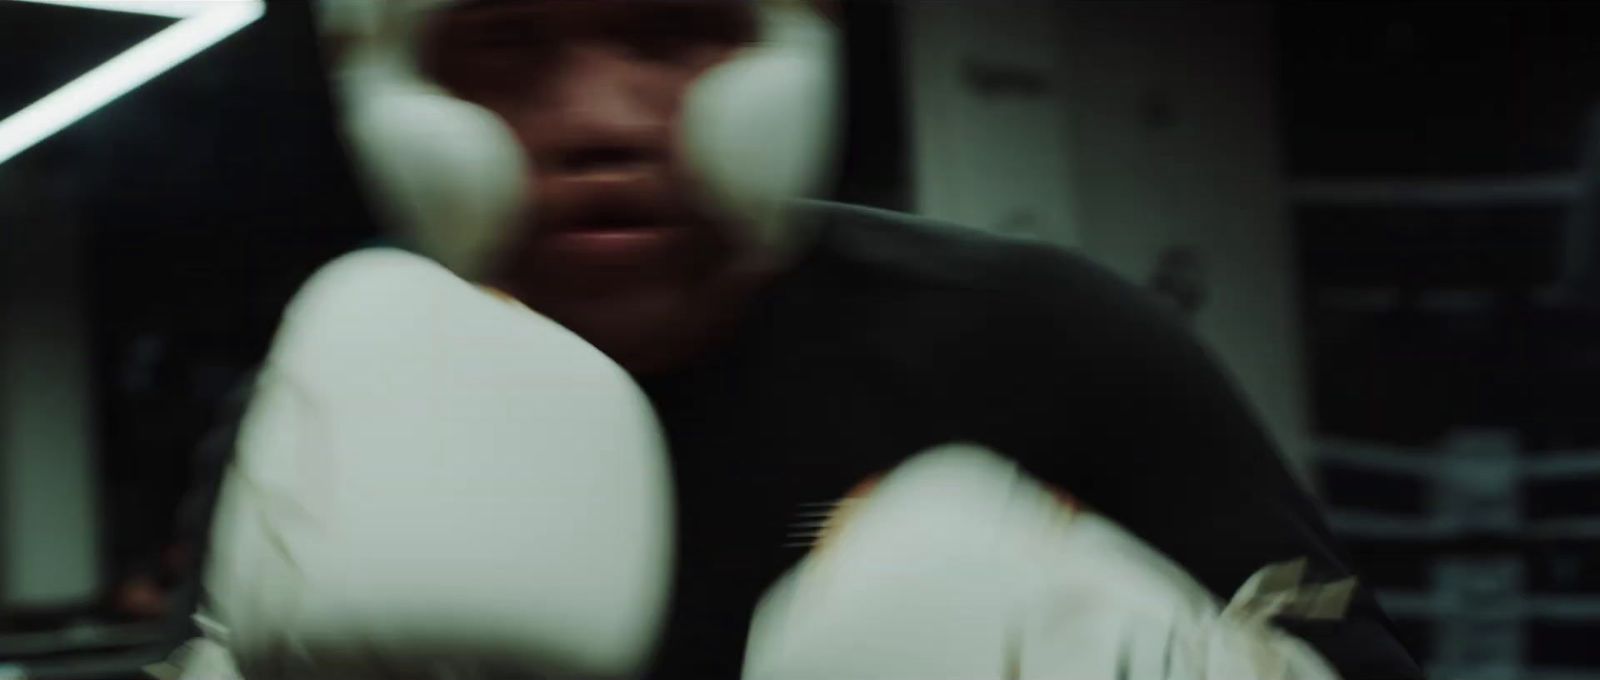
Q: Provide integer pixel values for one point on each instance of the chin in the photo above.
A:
(647, 333)
(648, 324)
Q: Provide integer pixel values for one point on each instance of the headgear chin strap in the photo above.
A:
(451, 178)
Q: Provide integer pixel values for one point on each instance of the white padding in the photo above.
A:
(434, 482)
(759, 130)
(448, 175)
(959, 566)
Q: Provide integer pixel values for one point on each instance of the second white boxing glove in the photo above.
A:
(959, 565)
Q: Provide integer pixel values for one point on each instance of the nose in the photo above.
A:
(597, 116)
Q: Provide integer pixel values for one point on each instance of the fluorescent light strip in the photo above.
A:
(177, 9)
(206, 25)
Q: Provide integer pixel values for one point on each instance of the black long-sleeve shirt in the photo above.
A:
(893, 335)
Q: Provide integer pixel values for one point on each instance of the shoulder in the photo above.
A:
(1039, 286)
(930, 252)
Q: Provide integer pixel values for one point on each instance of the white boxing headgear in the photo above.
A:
(452, 179)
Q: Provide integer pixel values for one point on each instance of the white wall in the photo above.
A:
(1166, 136)
(49, 530)
(991, 162)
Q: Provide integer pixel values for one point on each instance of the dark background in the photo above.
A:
(208, 195)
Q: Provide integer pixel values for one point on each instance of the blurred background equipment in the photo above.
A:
(192, 28)
(1393, 206)
(145, 251)
(1122, 129)
(1438, 156)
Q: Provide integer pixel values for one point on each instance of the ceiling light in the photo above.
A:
(202, 23)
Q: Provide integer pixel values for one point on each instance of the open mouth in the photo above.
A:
(601, 233)
(617, 215)
(614, 223)
(616, 229)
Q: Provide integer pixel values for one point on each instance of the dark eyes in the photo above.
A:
(662, 31)
(676, 33)
(660, 48)
(505, 38)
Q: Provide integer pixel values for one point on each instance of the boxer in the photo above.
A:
(640, 172)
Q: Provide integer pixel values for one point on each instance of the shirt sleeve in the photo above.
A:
(211, 461)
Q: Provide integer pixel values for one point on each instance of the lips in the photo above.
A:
(608, 232)
(634, 248)
(607, 200)
(606, 221)
(611, 211)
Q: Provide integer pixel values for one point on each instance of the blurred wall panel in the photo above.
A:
(49, 534)
(986, 107)
(1129, 130)
(1175, 145)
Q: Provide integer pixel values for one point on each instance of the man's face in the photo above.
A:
(616, 244)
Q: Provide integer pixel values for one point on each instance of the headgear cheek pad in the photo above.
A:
(759, 130)
(447, 176)
(452, 179)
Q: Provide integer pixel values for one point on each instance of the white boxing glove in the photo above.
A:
(435, 482)
(957, 565)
